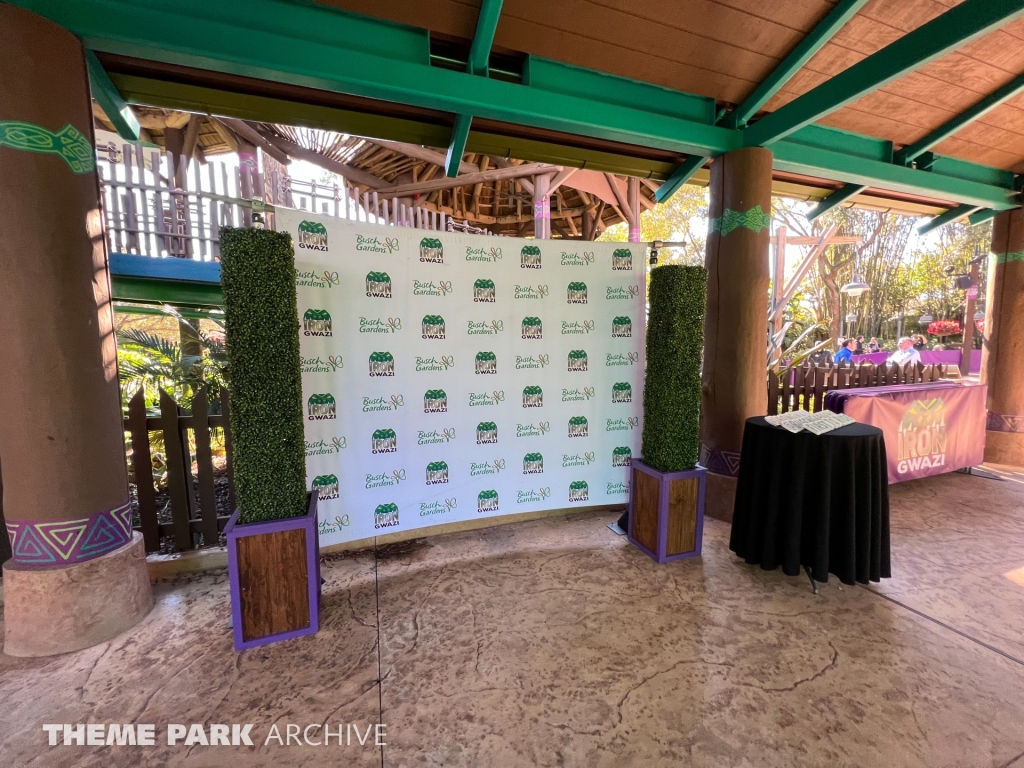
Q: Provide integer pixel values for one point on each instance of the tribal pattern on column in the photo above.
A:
(755, 220)
(720, 462)
(1006, 258)
(68, 143)
(68, 542)
(1001, 422)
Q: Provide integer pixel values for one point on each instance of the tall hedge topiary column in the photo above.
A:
(675, 342)
(265, 392)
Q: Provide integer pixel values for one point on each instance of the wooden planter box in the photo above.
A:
(666, 511)
(274, 569)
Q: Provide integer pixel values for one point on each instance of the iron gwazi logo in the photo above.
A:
(622, 260)
(578, 360)
(533, 464)
(433, 327)
(312, 236)
(486, 432)
(622, 328)
(321, 407)
(621, 456)
(533, 328)
(378, 285)
(384, 441)
(484, 291)
(385, 516)
(533, 397)
(922, 436)
(576, 293)
(578, 426)
(316, 322)
(327, 486)
(487, 501)
(431, 250)
(622, 392)
(382, 364)
(435, 401)
(529, 257)
(486, 362)
(437, 473)
(579, 491)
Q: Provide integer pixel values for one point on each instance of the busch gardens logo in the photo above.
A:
(621, 456)
(375, 244)
(327, 280)
(384, 441)
(579, 459)
(622, 392)
(441, 288)
(577, 293)
(578, 360)
(622, 328)
(385, 516)
(433, 327)
(435, 401)
(578, 491)
(487, 501)
(484, 398)
(383, 480)
(484, 328)
(629, 358)
(321, 447)
(371, 404)
(539, 361)
(312, 236)
(382, 364)
(436, 436)
(486, 362)
(321, 407)
(529, 257)
(437, 507)
(431, 250)
(533, 397)
(584, 259)
(437, 473)
(316, 322)
(529, 292)
(483, 290)
(616, 489)
(577, 395)
(533, 464)
(442, 363)
(622, 294)
(486, 467)
(318, 365)
(378, 285)
(533, 496)
(539, 429)
(491, 254)
(577, 327)
(621, 425)
(376, 325)
(486, 432)
(622, 259)
(532, 328)
(327, 485)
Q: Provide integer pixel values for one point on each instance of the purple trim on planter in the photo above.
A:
(720, 462)
(665, 479)
(1001, 422)
(58, 543)
(235, 530)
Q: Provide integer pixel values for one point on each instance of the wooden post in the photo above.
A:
(633, 216)
(1002, 357)
(541, 207)
(967, 345)
(735, 326)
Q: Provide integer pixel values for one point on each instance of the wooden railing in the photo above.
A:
(803, 387)
(188, 516)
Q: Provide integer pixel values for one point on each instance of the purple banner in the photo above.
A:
(928, 357)
(928, 430)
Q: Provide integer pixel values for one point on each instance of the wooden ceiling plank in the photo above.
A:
(423, 153)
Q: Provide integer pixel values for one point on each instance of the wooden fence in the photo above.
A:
(803, 388)
(192, 500)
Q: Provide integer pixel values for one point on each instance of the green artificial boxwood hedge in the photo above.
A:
(675, 342)
(265, 393)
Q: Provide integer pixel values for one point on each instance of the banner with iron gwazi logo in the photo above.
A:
(449, 376)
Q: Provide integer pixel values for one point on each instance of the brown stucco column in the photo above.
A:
(77, 576)
(735, 330)
(1002, 357)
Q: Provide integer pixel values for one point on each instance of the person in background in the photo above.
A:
(845, 353)
(918, 342)
(859, 347)
(906, 353)
(873, 345)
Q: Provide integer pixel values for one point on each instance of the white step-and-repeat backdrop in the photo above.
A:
(449, 376)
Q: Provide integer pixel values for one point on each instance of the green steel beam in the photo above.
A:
(947, 218)
(110, 100)
(841, 13)
(483, 39)
(158, 291)
(837, 197)
(980, 217)
(956, 27)
(679, 176)
(145, 309)
(911, 152)
(457, 145)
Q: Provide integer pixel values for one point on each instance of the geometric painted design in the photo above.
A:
(720, 462)
(755, 220)
(1006, 258)
(1001, 422)
(68, 143)
(66, 542)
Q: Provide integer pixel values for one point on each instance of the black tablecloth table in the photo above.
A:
(821, 501)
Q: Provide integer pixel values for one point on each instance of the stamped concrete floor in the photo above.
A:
(554, 643)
